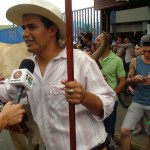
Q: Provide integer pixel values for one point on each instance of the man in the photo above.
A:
(114, 73)
(119, 50)
(141, 125)
(129, 52)
(51, 92)
(139, 78)
(11, 114)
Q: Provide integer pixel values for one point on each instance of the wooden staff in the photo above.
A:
(70, 68)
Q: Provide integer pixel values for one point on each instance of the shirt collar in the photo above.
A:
(110, 55)
(62, 54)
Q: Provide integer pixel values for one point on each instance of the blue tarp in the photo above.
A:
(11, 35)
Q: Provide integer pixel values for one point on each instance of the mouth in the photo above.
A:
(28, 43)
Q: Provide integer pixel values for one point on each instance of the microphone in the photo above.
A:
(22, 78)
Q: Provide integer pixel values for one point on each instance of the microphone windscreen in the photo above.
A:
(27, 64)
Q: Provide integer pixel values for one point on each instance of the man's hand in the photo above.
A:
(131, 89)
(146, 80)
(137, 79)
(74, 92)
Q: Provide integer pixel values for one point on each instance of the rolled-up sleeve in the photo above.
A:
(97, 85)
(7, 92)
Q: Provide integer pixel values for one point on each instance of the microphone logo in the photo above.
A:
(22, 77)
(30, 80)
(17, 74)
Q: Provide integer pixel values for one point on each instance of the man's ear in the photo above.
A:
(53, 30)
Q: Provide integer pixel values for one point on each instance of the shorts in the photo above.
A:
(134, 113)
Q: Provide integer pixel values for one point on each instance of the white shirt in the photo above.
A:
(50, 108)
(129, 53)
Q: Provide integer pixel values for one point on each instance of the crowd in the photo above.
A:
(133, 65)
(94, 92)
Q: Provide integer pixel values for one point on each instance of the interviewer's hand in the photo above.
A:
(12, 113)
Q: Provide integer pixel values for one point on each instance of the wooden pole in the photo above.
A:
(70, 68)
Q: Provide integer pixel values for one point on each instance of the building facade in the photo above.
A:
(131, 20)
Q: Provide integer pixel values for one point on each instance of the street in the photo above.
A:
(140, 140)
(6, 143)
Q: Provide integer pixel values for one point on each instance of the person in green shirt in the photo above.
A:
(114, 73)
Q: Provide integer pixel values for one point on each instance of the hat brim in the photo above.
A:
(15, 13)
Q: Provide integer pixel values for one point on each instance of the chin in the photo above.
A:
(30, 50)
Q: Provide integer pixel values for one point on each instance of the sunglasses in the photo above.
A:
(144, 51)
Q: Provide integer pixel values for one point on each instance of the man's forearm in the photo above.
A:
(120, 86)
(93, 103)
(130, 81)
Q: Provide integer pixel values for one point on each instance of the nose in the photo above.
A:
(25, 33)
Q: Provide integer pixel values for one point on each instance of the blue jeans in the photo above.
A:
(110, 121)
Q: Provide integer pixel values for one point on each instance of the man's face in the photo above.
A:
(146, 52)
(84, 39)
(138, 50)
(119, 40)
(36, 35)
(99, 40)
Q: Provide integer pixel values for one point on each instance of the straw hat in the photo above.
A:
(39, 7)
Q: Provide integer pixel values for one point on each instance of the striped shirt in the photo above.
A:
(50, 109)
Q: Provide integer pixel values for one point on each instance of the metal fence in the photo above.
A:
(86, 20)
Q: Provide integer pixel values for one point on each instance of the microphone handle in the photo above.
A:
(19, 93)
(17, 100)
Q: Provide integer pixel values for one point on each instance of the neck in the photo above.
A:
(105, 54)
(47, 55)
(146, 61)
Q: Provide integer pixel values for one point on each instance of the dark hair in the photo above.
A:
(48, 23)
(138, 43)
(121, 36)
(88, 35)
(130, 38)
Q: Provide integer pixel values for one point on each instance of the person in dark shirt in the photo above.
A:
(87, 42)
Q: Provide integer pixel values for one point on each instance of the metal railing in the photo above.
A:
(86, 20)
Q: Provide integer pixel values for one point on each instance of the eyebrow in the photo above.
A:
(146, 51)
(28, 25)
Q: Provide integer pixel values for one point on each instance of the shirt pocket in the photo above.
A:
(56, 89)
(57, 99)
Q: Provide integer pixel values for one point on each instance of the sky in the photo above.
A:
(76, 4)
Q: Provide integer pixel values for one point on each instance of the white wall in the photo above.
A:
(131, 20)
(132, 15)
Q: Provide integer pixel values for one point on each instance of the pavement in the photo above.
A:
(138, 142)
(6, 142)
